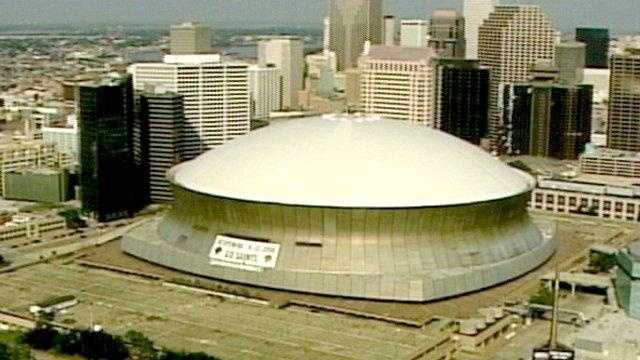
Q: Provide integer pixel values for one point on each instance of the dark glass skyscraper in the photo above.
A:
(548, 119)
(462, 99)
(161, 118)
(109, 179)
(597, 41)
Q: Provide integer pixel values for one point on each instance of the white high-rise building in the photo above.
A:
(287, 54)
(190, 38)
(217, 103)
(475, 13)
(353, 23)
(265, 87)
(391, 30)
(67, 140)
(511, 41)
(414, 33)
(398, 83)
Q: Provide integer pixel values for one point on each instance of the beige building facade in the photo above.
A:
(287, 54)
(398, 83)
(190, 39)
(624, 101)
(352, 24)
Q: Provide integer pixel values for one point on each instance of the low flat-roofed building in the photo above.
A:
(24, 155)
(604, 161)
(43, 185)
(607, 197)
(613, 337)
(28, 227)
(477, 333)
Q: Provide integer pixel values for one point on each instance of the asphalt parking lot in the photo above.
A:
(181, 319)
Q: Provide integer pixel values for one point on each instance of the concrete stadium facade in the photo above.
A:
(401, 252)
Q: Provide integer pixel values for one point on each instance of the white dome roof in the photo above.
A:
(351, 162)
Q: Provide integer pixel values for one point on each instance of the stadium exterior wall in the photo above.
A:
(406, 254)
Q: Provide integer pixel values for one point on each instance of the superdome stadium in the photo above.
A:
(348, 206)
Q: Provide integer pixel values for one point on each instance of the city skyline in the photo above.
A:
(264, 12)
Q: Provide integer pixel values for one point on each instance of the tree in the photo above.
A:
(69, 343)
(544, 296)
(5, 354)
(72, 218)
(141, 345)
(172, 355)
(3, 261)
(41, 338)
(100, 345)
(602, 262)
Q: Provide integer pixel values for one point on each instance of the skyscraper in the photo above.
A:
(446, 33)
(511, 41)
(570, 60)
(109, 181)
(353, 23)
(161, 118)
(265, 88)
(414, 33)
(217, 103)
(391, 30)
(326, 35)
(287, 54)
(597, 41)
(190, 38)
(624, 101)
(462, 99)
(547, 118)
(397, 83)
(475, 12)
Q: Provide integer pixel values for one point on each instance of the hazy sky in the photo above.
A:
(566, 14)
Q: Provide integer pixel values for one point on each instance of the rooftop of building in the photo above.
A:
(634, 250)
(572, 44)
(192, 59)
(110, 79)
(25, 218)
(20, 144)
(598, 180)
(448, 14)
(400, 53)
(460, 63)
(414, 22)
(632, 51)
(606, 153)
(189, 24)
(612, 329)
(567, 171)
(38, 171)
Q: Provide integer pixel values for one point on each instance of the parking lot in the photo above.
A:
(181, 319)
